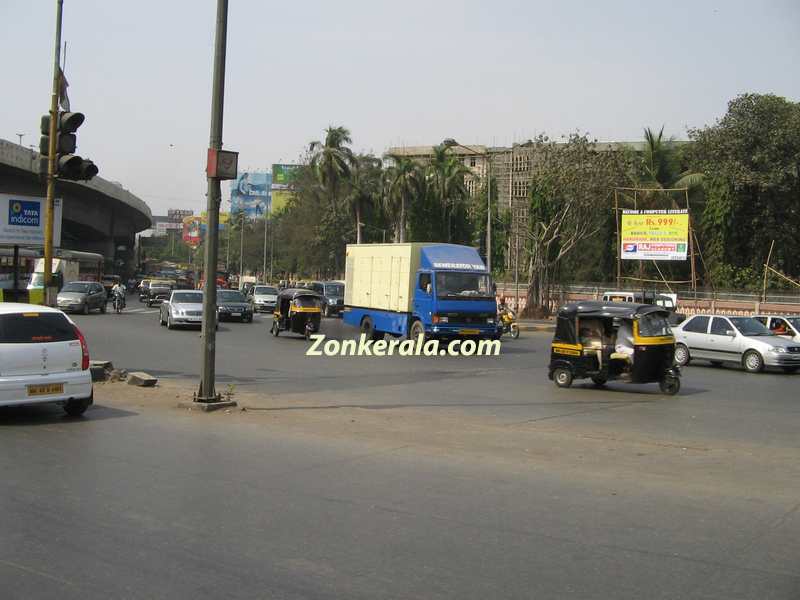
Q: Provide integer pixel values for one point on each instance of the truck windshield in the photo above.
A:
(463, 285)
(334, 289)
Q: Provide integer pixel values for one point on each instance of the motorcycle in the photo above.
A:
(508, 322)
(119, 302)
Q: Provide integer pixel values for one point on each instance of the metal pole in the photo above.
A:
(271, 249)
(51, 163)
(489, 215)
(207, 392)
(241, 252)
(264, 266)
(766, 271)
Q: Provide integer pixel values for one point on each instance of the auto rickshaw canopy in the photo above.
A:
(565, 319)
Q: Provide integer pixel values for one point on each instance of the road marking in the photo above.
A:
(141, 311)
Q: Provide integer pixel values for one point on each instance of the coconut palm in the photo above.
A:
(365, 189)
(447, 176)
(404, 184)
(332, 162)
(660, 165)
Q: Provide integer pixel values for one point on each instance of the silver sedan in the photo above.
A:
(183, 307)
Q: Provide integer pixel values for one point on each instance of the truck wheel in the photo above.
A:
(367, 327)
(417, 329)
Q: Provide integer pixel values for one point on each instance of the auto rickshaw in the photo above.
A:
(298, 311)
(606, 341)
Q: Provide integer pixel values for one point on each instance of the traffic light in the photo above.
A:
(68, 164)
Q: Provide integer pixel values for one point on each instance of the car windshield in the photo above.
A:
(334, 289)
(81, 288)
(187, 298)
(795, 321)
(230, 296)
(463, 285)
(653, 325)
(261, 290)
(749, 326)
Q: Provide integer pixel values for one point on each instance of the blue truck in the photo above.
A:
(439, 290)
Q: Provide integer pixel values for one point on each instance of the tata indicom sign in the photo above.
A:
(654, 234)
(22, 220)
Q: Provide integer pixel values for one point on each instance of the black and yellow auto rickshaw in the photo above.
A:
(298, 311)
(606, 341)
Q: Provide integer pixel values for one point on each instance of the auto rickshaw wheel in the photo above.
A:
(670, 385)
(274, 329)
(599, 381)
(562, 377)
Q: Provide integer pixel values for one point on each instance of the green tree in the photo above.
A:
(365, 189)
(446, 174)
(405, 186)
(750, 160)
(332, 161)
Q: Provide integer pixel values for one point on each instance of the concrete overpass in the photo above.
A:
(98, 216)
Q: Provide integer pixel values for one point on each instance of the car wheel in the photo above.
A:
(562, 377)
(103, 308)
(75, 408)
(170, 324)
(85, 309)
(670, 385)
(682, 357)
(752, 361)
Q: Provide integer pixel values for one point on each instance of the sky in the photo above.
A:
(394, 73)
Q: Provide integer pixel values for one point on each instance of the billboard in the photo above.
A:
(280, 198)
(179, 214)
(283, 175)
(163, 227)
(250, 193)
(192, 231)
(22, 220)
(654, 234)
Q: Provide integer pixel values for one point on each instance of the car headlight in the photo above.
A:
(777, 349)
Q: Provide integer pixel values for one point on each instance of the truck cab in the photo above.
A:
(439, 290)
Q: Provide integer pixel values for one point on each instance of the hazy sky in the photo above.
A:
(395, 73)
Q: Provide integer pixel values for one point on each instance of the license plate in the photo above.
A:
(236, 314)
(469, 331)
(45, 389)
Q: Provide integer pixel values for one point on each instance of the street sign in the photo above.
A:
(222, 164)
(22, 220)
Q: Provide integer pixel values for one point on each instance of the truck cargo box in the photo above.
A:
(381, 276)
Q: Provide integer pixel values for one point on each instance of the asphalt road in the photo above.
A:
(136, 503)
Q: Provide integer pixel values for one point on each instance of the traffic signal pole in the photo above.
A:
(51, 164)
(207, 392)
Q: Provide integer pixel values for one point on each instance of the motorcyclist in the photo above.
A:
(118, 292)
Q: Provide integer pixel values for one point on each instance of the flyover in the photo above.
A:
(98, 215)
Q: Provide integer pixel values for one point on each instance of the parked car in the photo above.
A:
(333, 294)
(783, 325)
(232, 304)
(183, 307)
(43, 359)
(82, 296)
(263, 298)
(159, 290)
(667, 301)
(738, 340)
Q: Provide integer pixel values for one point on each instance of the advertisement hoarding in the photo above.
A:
(22, 220)
(162, 227)
(280, 198)
(283, 175)
(250, 193)
(192, 234)
(654, 234)
(179, 214)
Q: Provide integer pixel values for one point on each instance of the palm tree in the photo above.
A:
(365, 188)
(404, 184)
(447, 174)
(332, 161)
(660, 166)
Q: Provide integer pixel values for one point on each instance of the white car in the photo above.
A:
(184, 307)
(739, 340)
(43, 359)
(787, 326)
(264, 298)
